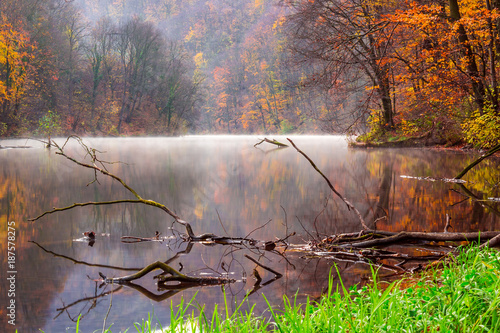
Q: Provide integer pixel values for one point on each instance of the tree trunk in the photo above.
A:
(472, 69)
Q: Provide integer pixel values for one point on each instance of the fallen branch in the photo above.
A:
(479, 160)
(278, 275)
(383, 238)
(494, 242)
(134, 239)
(273, 142)
(102, 170)
(173, 275)
(349, 205)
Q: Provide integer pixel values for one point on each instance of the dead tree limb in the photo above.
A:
(349, 205)
(273, 142)
(479, 160)
(494, 242)
(171, 290)
(102, 170)
(174, 275)
(386, 238)
(278, 275)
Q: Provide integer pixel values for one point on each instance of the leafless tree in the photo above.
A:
(342, 42)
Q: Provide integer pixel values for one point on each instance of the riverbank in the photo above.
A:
(463, 295)
(428, 139)
(394, 139)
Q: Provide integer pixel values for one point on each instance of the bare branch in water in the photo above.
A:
(273, 142)
(99, 168)
(479, 160)
(349, 205)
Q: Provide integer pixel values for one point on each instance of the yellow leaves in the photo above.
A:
(190, 35)
(279, 23)
(199, 61)
(196, 33)
(14, 61)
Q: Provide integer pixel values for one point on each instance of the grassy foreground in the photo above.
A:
(462, 296)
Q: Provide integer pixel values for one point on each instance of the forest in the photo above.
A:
(381, 69)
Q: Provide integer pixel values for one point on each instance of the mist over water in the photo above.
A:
(222, 185)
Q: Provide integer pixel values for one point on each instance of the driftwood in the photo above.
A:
(14, 147)
(134, 239)
(367, 247)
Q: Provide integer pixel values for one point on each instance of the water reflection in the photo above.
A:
(221, 185)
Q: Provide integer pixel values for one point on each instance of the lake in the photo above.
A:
(222, 185)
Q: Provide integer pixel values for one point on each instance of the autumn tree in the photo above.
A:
(446, 61)
(15, 69)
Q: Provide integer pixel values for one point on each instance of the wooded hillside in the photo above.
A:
(110, 67)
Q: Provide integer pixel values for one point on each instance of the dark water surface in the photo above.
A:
(221, 184)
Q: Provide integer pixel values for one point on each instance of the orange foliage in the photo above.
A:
(433, 70)
(15, 55)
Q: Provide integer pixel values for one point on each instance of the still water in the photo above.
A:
(222, 185)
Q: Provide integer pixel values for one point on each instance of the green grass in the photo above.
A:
(464, 296)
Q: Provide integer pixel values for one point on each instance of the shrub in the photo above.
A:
(483, 131)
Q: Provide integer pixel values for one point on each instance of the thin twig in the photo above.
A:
(220, 221)
(254, 230)
(83, 204)
(349, 205)
(265, 267)
(300, 222)
(109, 309)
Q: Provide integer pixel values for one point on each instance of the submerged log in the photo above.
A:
(383, 238)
